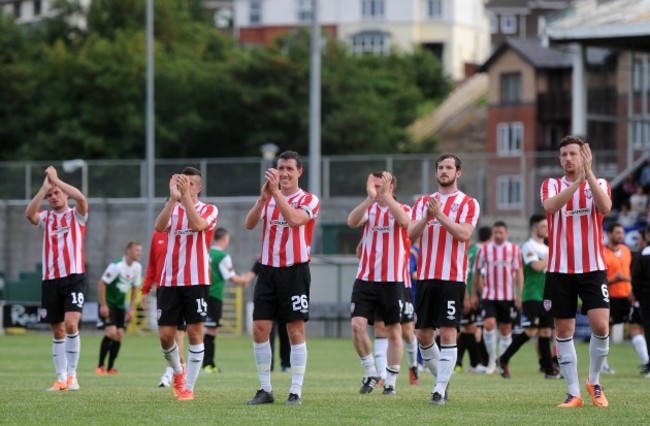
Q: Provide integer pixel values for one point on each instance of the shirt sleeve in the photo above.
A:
(138, 275)
(528, 254)
(210, 215)
(418, 207)
(226, 268)
(81, 218)
(311, 205)
(548, 189)
(110, 274)
(471, 213)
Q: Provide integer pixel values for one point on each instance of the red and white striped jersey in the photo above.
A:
(443, 257)
(500, 263)
(575, 232)
(407, 262)
(187, 261)
(283, 245)
(384, 254)
(63, 243)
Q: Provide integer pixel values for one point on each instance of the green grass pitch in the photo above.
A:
(330, 393)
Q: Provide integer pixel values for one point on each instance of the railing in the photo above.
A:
(343, 176)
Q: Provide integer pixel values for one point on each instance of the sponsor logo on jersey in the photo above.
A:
(158, 313)
(433, 222)
(183, 232)
(278, 222)
(579, 212)
(62, 230)
(382, 228)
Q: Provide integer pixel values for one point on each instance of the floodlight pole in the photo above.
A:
(150, 136)
(314, 105)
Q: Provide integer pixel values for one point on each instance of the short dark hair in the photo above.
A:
(291, 155)
(568, 140)
(191, 171)
(535, 219)
(484, 233)
(219, 233)
(446, 156)
(500, 223)
(612, 226)
(380, 173)
(132, 243)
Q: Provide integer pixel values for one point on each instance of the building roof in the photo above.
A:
(541, 57)
(623, 24)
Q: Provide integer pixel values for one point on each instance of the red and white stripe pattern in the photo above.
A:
(443, 257)
(575, 232)
(384, 254)
(499, 262)
(407, 263)
(63, 243)
(187, 261)
(283, 245)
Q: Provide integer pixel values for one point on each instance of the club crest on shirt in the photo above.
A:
(588, 193)
(547, 305)
(294, 204)
(43, 313)
(454, 207)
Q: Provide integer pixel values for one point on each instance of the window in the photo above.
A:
(508, 24)
(510, 88)
(372, 8)
(255, 13)
(510, 138)
(494, 23)
(434, 9)
(37, 7)
(641, 134)
(374, 42)
(304, 10)
(639, 78)
(17, 9)
(509, 192)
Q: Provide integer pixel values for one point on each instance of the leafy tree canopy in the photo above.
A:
(72, 87)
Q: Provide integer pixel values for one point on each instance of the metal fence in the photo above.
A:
(342, 176)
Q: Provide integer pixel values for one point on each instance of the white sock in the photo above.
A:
(194, 363)
(72, 347)
(598, 350)
(381, 346)
(60, 361)
(263, 357)
(639, 343)
(504, 342)
(173, 358)
(391, 375)
(169, 372)
(412, 352)
(298, 359)
(568, 360)
(446, 364)
(368, 363)
(490, 339)
(430, 356)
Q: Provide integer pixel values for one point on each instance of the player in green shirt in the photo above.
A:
(468, 339)
(535, 320)
(221, 270)
(120, 277)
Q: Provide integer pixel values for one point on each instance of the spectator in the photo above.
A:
(629, 186)
(639, 202)
(644, 177)
(627, 217)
